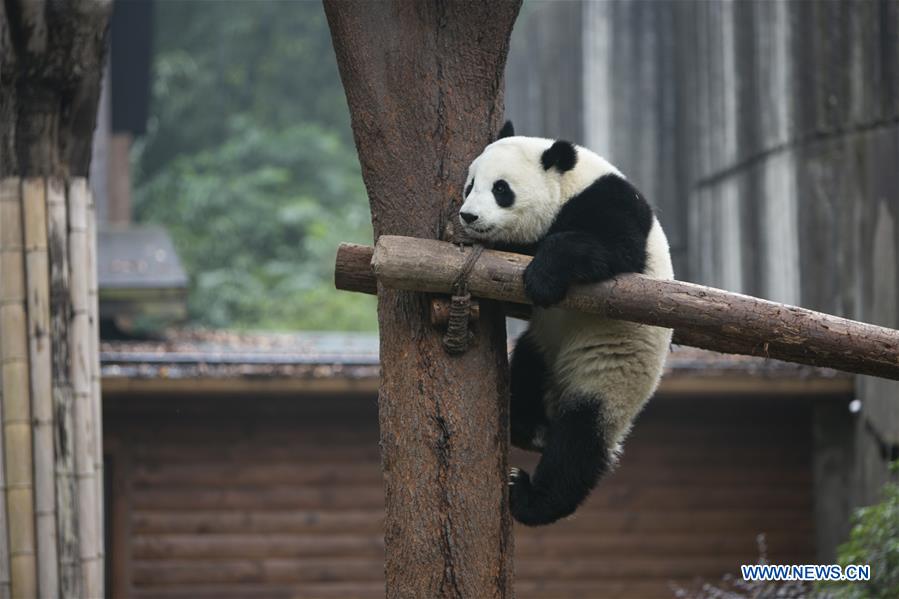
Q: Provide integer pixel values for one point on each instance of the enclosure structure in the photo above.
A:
(237, 471)
(51, 389)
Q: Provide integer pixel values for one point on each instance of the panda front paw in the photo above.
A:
(543, 288)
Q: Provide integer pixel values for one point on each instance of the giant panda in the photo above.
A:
(577, 380)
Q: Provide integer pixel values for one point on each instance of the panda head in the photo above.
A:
(514, 188)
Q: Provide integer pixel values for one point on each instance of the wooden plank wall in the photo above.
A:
(282, 498)
(247, 498)
(698, 481)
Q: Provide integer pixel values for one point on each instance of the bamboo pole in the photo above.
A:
(65, 446)
(11, 293)
(96, 396)
(40, 345)
(4, 539)
(89, 511)
(701, 316)
(17, 437)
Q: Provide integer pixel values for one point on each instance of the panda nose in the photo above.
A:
(468, 217)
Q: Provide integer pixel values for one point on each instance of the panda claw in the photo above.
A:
(513, 474)
(516, 475)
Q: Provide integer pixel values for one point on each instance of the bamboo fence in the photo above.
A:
(17, 432)
(51, 450)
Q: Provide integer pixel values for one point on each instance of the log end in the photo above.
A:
(352, 268)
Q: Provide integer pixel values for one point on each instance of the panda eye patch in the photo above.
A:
(503, 194)
(468, 189)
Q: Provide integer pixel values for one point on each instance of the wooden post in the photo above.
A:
(16, 395)
(702, 316)
(424, 84)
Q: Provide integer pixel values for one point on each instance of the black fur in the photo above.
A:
(528, 249)
(469, 188)
(574, 459)
(598, 234)
(529, 376)
(503, 194)
(508, 130)
(562, 155)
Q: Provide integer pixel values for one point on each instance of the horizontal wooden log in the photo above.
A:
(702, 316)
(352, 272)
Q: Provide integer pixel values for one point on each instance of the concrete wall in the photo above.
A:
(766, 133)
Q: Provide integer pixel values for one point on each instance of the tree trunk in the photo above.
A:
(51, 59)
(424, 84)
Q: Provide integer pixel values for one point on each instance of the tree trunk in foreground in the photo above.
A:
(424, 83)
(51, 60)
(701, 316)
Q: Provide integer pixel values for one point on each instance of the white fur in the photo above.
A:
(619, 361)
(539, 194)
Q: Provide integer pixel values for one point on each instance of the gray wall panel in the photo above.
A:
(767, 135)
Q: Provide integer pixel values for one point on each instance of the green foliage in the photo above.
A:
(875, 541)
(269, 61)
(248, 162)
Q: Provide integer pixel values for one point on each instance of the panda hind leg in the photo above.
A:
(528, 380)
(575, 457)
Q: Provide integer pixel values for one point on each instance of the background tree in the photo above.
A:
(424, 82)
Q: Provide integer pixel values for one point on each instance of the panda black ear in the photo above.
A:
(508, 130)
(562, 155)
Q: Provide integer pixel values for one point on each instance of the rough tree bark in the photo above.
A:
(701, 316)
(424, 84)
(51, 63)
